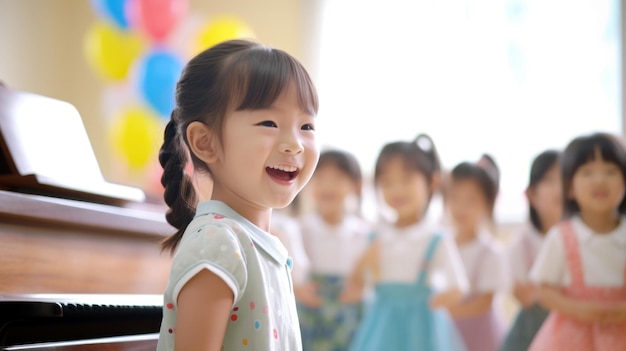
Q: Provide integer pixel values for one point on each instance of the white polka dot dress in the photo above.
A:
(253, 263)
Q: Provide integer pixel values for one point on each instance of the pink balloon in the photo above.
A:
(156, 18)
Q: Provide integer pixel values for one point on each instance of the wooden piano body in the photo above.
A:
(66, 231)
(60, 246)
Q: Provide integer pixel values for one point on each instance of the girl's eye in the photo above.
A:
(308, 126)
(586, 172)
(612, 171)
(270, 124)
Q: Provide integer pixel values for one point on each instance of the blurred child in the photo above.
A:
(334, 237)
(473, 191)
(545, 210)
(416, 271)
(581, 265)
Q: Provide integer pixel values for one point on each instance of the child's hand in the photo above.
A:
(445, 299)
(525, 294)
(350, 295)
(616, 313)
(307, 295)
(590, 311)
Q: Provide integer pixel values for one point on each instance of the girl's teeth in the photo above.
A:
(284, 168)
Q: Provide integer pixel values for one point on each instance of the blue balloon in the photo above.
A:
(157, 77)
(113, 10)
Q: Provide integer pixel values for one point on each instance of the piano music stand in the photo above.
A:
(45, 150)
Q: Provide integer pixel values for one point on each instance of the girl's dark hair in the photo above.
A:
(485, 173)
(345, 162)
(582, 150)
(231, 76)
(419, 155)
(538, 169)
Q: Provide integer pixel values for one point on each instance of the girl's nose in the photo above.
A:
(291, 145)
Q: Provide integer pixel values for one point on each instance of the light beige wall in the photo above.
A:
(41, 48)
(41, 51)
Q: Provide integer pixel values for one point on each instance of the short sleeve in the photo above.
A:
(447, 270)
(214, 247)
(550, 266)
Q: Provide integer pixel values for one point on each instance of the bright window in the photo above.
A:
(510, 78)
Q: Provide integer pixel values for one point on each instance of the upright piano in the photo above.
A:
(79, 276)
(80, 263)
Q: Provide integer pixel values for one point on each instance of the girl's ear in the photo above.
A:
(203, 142)
(358, 187)
(530, 195)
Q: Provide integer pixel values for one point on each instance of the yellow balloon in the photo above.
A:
(111, 51)
(136, 135)
(221, 29)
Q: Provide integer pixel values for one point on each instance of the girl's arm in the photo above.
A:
(585, 311)
(473, 307)
(525, 293)
(617, 314)
(446, 299)
(204, 305)
(306, 294)
(355, 282)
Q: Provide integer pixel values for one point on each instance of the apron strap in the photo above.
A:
(572, 252)
(428, 255)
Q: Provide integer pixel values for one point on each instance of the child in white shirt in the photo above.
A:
(582, 265)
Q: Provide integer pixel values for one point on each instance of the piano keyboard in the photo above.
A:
(29, 321)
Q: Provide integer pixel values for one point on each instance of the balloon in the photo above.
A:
(157, 18)
(158, 73)
(181, 40)
(113, 10)
(111, 51)
(221, 29)
(136, 135)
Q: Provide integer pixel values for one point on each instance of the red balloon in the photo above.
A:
(157, 18)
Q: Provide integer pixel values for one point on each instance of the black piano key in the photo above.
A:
(76, 317)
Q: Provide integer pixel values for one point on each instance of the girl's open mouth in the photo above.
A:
(282, 176)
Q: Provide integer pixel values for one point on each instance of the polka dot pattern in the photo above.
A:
(254, 322)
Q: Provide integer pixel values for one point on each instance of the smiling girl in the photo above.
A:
(246, 113)
(581, 268)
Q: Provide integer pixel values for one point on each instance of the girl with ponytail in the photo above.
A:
(415, 270)
(244, 116)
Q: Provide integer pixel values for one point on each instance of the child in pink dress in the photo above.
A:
(582, 264)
